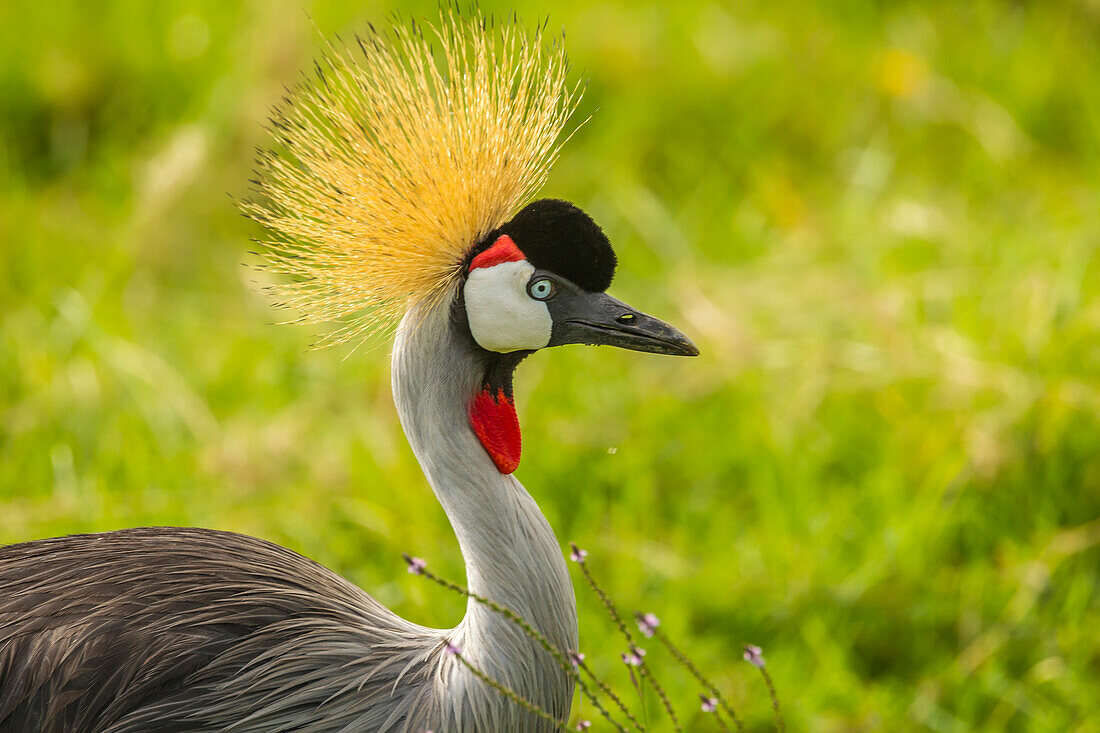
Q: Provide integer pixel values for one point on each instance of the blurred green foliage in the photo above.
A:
(878, 220)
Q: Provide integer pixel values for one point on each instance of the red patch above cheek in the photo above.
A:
(503, 250)
(494, 421)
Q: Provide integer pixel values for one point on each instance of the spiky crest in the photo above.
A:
(391, 163)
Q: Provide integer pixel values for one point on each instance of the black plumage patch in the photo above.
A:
(557, 236)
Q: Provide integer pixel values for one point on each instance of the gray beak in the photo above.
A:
(598, 319)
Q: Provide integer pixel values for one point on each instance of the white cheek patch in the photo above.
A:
(503, 317)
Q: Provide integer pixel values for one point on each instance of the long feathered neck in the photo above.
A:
(511, 554)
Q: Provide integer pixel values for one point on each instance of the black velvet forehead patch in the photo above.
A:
(557, 236)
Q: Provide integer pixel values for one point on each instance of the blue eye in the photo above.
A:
(542, 289)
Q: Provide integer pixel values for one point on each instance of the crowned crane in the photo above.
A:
(395, 188)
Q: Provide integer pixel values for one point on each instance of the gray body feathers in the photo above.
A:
(186, 629)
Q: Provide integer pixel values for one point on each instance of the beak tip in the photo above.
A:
(688, 348)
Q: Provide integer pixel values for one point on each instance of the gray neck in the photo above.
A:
(511, 554)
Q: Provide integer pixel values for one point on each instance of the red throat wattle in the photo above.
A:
(494, 420)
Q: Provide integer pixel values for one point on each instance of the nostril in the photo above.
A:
(625, 318)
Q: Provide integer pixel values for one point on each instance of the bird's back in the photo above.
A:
(172, 629)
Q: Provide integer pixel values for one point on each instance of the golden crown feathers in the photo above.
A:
(400, 154)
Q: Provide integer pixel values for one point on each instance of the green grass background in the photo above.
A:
(879, 222)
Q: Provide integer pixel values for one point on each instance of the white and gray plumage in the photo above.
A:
(169, 629)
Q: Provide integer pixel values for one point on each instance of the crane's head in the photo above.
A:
(539, 280)
(536, 281)
(394, 184)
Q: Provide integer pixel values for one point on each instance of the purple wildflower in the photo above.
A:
(416, 564)
(576, 554)
(583, 725)
(710, 704)
(576, 658)
(634, 656)
(452, 648)
(647, 624)
(754, 655)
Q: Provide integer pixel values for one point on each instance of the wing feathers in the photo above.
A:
(194, 630)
